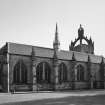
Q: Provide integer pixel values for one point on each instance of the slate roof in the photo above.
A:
(22, 49)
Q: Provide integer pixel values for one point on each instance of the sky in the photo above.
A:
(33, 22)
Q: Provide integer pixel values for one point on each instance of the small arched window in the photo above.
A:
(20, 73)
(43, 72)
(62, 75)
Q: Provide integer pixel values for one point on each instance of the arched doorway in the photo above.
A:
(62, 75)
(20, 73)
(43, 73)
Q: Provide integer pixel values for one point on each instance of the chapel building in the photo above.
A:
(32, 68)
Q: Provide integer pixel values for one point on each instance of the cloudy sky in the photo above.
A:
(33, 21)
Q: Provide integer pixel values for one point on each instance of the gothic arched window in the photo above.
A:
(80, 73)
(43, 72)
(1, 69)
(62, 75)
(20, 73)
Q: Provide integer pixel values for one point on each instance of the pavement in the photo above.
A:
(29, 96)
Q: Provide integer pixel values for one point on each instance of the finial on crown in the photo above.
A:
(80, 32)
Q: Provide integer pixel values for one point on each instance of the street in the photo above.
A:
(75, 100)
(84, 97)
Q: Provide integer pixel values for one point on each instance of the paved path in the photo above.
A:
(8, 97)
